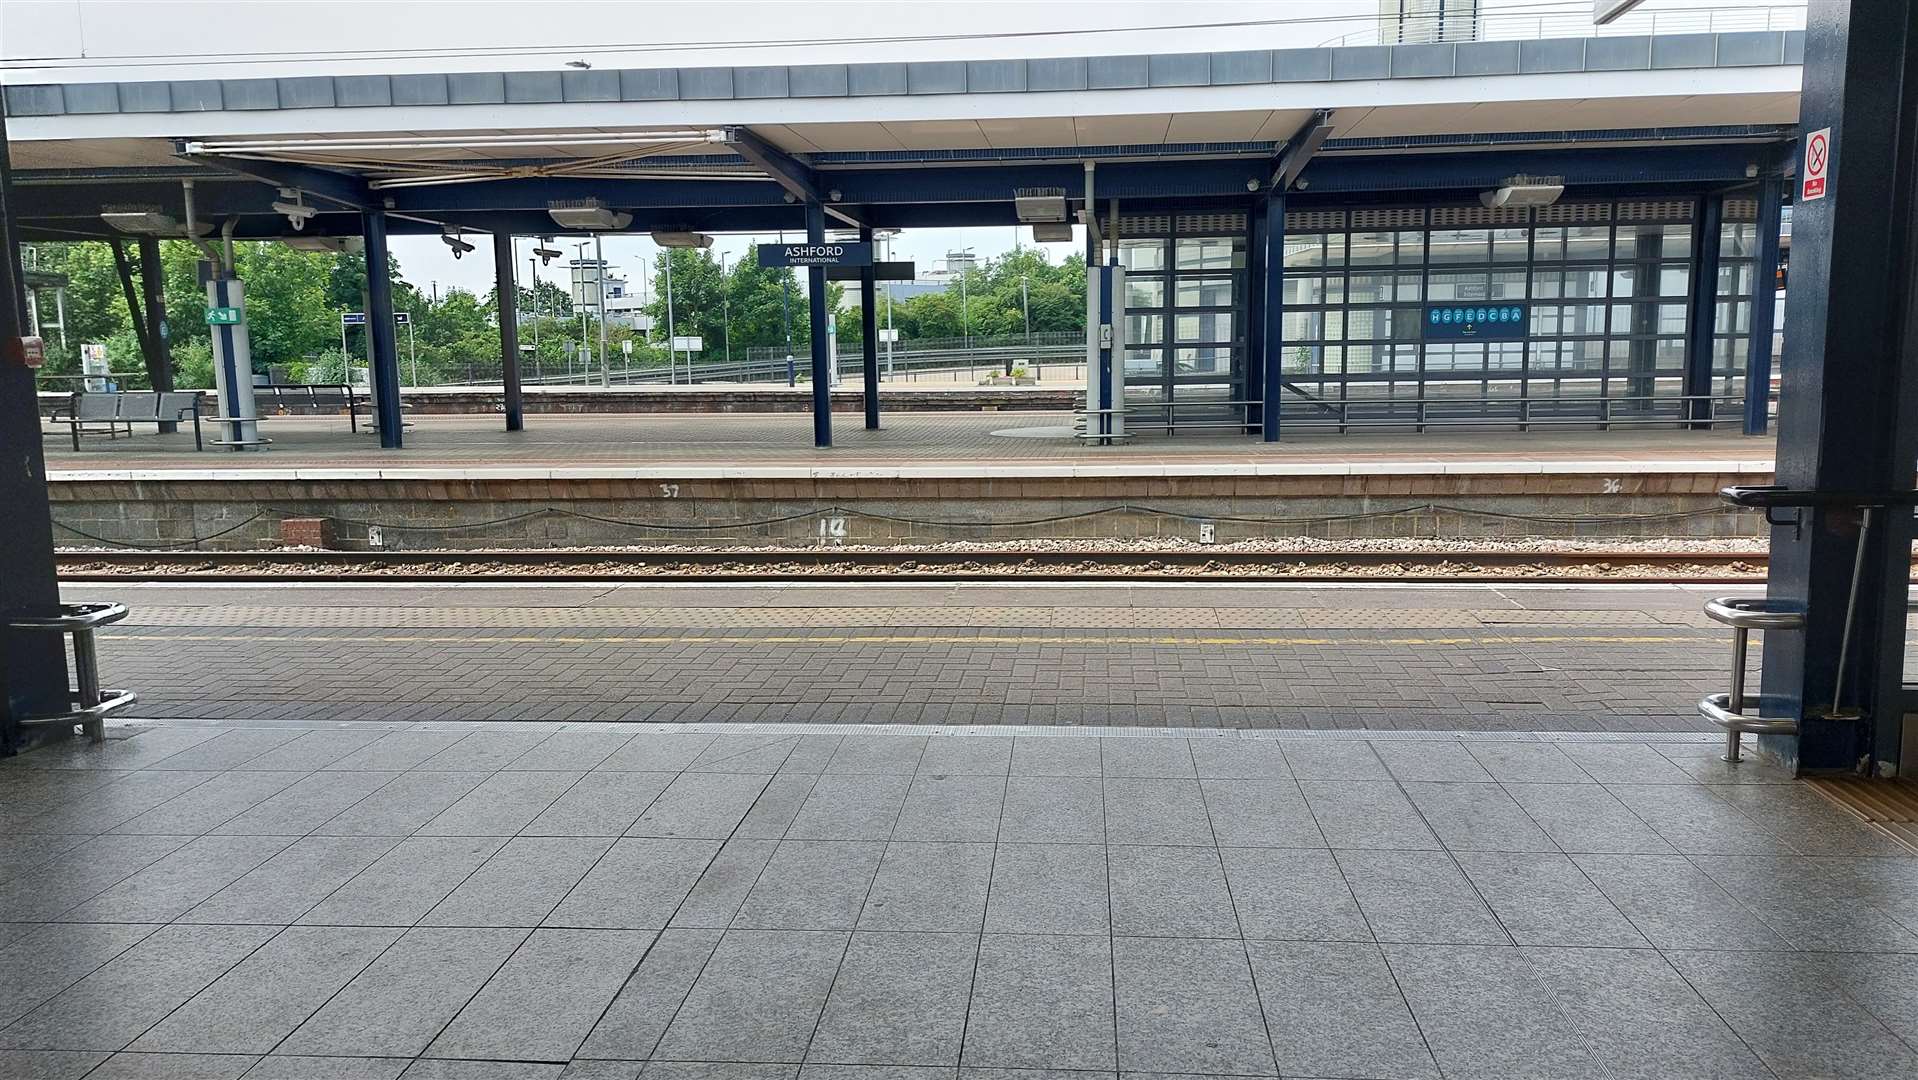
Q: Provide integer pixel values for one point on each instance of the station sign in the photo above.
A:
(358, 318)
(222, 316)
(881, 271)
(848, 253)
(1476, 322)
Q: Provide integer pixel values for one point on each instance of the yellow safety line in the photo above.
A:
(910, 639)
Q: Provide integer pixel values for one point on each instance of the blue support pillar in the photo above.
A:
(869, 334)
(1848, 416)
(33, 666)
(1272, 303)
(508, 293)
(1254, 311)
(384, 355)
(821, 347)
(1701, 332)
(1758, 347)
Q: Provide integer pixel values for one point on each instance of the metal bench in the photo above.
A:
(89, 410)
(1743, 615)
(89, 704)
(319, 398)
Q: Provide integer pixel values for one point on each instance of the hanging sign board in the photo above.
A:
(1814, 180)
(850, 253)
(881, 271)
(689, 343)
(1476, 322)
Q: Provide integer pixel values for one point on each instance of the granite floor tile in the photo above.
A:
(1054, 810)
(521, 884)
(399, 808)
(1367, 814)
(1164, 758)
(285, 887)
(1058, 755)
(929, 886)
(1419, 896)
(812, 885)
(851, 807)
(397, 751)
(1417, 761)
(655, 752)
(1545, 899)
(958, 808)
(143, 1066)
(1334, 761)
(1188, 1005)
(1798, 1021)
(773, 813)
(1156, 811)
(1169, 892)
(1260, 813)
(546, 999)
(1334, 1010)
(758, 999)
(1476, 817)
(1049, 889)
(165, 888)
(701, 805)
(647, 1003)
(1293, 895)
(207, 806)
(1483, 1012)
(263, 998)
(1675, 904)
(899, 999)
(1528, 763)
(483, 751)
(128, 994)
(400, 1002)
(305, 805)
(1643, 1021)
(745, 754)
(715, 898)
(502, 805)
(405, 883)
(1239, 759)
(48, 958)
(636, 885)
(570, 751)
(1587, 819)
(301, 1067)
(602, 803)
(82, 873)
(1694, 821)
(1042, 1002)
(48, 1064)
(881, 755)
(959, 756)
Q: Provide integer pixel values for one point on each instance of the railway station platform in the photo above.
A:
(539, 900)
(727, 479)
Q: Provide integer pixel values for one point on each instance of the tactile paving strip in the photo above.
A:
(1889, 805)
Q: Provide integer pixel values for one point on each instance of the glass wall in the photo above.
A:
(1185, 318)
(1602, 286)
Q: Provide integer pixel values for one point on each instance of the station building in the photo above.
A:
(1525, 232)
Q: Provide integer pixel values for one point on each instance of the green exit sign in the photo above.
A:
(223, 316)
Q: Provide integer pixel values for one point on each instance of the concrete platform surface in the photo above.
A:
(1607, 658)
(910, 444)
(547, 901)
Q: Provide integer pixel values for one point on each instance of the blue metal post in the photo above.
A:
(1272, 301)
(1701, 333)
(1254, 310)
(821, 348)
(869, 334)
(508, 293)
(385, 357)
(1848, 416)
(33, 666)
(1758, 347)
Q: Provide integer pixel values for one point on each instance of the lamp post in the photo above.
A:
(599, 275)
(726, 305)
(1025, 307)
(672, 350)
(579, 268)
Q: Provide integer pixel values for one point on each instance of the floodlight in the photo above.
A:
(1040, 204)
(342, 244)
(587, 214)
(682, 240)
(546, 254)
(142, 222)
(297, 212)
(451, 238)
(1056, 232)
(1518, 191)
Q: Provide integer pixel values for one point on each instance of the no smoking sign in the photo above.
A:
(1817, 163)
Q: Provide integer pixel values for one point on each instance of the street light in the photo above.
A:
(726, 305)
(579, 266)
(1025, 306)
(965, 320)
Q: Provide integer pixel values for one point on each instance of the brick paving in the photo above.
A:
(545, 901)
(1387, 659)
(906, 439)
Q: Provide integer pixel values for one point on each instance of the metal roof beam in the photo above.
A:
(797, 177)
(1299, 149)
(338, 187)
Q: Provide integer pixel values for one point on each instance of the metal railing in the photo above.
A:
(1530, 26)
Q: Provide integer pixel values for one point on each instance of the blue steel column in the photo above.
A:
(869, 334)
(1848, 421)
(821, 352)
(1254, 309)
(33, 667)
(1273, 302)
(385, 357)
(508, 293)
(1758, 347)
(1701, 330)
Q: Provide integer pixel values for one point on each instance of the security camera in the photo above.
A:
(451, 238)
(296, 211)
(546, 254)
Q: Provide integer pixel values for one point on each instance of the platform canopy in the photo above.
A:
(897, 144)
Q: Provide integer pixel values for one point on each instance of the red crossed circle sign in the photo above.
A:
(1816, 154)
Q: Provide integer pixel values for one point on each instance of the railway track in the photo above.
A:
(834, 564)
